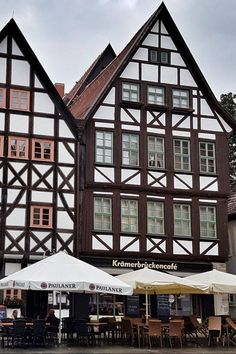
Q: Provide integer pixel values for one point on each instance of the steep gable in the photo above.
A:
(158, 34)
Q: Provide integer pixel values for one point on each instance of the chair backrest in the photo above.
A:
(126, 326)
(193, 319)
(19, 327)
(231, 323)
(176, 328)
(214, 323)
(154, 328)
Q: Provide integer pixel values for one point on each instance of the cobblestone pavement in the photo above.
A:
(114, 349)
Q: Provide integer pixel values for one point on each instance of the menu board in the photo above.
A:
(163, 306)
(132, 306)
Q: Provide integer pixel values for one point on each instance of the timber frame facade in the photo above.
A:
(154, 175)
(38, 159)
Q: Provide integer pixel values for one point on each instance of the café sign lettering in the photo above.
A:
(138, 264)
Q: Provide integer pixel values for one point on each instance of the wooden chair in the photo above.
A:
(153, 332)
(214, 329)
(194, 330)
(230, 334)
(176, 330)
(127, 332)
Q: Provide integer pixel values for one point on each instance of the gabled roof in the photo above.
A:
(87, 103)
(97, 66)
(11, 28)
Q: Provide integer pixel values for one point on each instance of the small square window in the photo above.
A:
(130, 92)
(19, 100)
(41, 216)
(42, 150)
(153, 56)
(180, 98)
(164, 57)
(18, 147)
(156, 95)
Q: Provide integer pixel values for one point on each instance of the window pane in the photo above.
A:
(104, 147)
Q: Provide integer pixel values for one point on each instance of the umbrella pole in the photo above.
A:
(114, 305)
(97, 300)
(59, 334)
(146, 300)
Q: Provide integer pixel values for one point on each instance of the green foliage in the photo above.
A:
(13, 302)
(227, 102)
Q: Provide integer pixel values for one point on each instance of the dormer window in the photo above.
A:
(130, 92)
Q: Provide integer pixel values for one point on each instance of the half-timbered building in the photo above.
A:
(38, 159)
(154, 159)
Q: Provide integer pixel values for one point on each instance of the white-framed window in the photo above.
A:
(155, 217)
(207, 157)
(155, 95)
(130, 92)
(182, 220)
(102, 214)
(156, 153)
(180, 98)
(19, 100)
(104, 147)
(129, 215)
(182, 160)
(208, 222)
(130, 149)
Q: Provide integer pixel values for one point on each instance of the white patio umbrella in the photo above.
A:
(62, 272)
(216, 281)
(149, 281)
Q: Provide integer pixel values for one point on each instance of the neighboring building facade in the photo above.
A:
(38, 159)
(154, 159)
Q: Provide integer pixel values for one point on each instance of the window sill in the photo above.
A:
(182, 110)
(159, 169)
(131, 104)
(157, 107)
(207, 239)
(205, 174)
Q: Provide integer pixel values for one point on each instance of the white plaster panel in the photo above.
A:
(104, 125)
(12, 194)
(42, 169)
(186, 78)
(37, 83)
(162, 119)
(185, 179)
(3, 63)
(151, 40)
(11, 268)
(60, 246)
(163, 28)
(185, 123)
(16, 218)
(38, 196)
(155, 28)
(20, 72)
(125, 240)
(131, 71)
(130, 127)
(107, 239)
(110, 97)
(211, 124)
(176, 59)
(207, 136)
(195, 105)
(181, 133)
(225, 125)
(44, 126)
(141, 54)
(156, 131)
(106, 175)
(2, 121)
(17, 166)
(204, 181)
(134, 113)
(125, 173)
(63, 155)
(64, 130)
(15, 49)
(64, 221)
(214, 251)
(124, 117)
(205, 109)
(195, 122)
(167, 43)
(168, 75)
(43, 103)
(176, 118)
(3, 46)
(150, 72)
(69, 198)
(179, 250)
(105, 112)
(134, 180)
(19, 123)
(150, 245)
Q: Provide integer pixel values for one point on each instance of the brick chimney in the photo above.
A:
(60, 89)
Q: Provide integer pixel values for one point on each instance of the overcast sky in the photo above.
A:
(68, 35)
